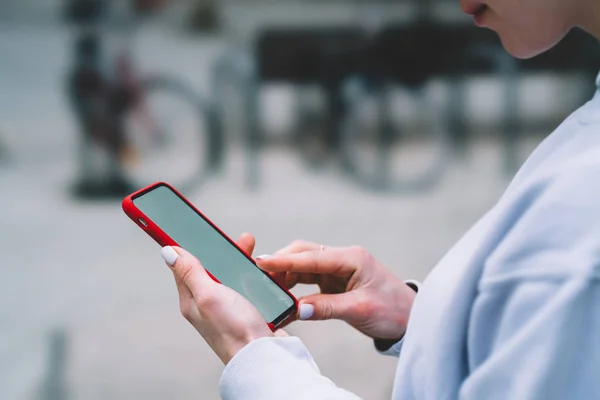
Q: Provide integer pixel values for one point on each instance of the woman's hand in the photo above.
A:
(355, 287)
(224, 318)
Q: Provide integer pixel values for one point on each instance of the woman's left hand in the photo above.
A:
(224, 318)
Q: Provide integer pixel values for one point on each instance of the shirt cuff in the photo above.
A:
(272, 368)
(391, 347)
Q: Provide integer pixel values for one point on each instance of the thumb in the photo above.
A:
(187, 269)
(281, 333)
(326, 306)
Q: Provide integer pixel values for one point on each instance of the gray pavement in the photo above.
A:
(87, 270)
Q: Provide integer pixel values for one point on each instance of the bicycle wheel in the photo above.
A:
(311, 138)
(4, 156)
(382, 157)
(177, 139)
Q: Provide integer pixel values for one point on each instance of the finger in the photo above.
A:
(319, 307)
(278, 277)
(305, 278)
(188, 269)
(299, 246)
(294, 278)
(281, 333)
(290, 279)
(339, 262)
(247, 242)
(296, 246)
(285, 279)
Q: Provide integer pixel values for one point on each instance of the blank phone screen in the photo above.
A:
(216, 253)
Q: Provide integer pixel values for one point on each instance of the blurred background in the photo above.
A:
(392, 125)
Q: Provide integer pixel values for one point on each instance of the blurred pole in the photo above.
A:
(54, 386)
(3, 153)
(507, 69)
(385, 137)
(238, 67)
(336, 108)
(459, 131)
(253, 137)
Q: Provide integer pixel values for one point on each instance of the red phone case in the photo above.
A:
(164, 240)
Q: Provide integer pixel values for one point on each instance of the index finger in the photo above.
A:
(332, 262)
(299, 246)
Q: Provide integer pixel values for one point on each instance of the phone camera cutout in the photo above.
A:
(143, 223)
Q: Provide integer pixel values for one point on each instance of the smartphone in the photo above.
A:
(171, 220)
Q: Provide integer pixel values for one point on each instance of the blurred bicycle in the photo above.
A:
(386, 155)
(149, 128)
(363, 128)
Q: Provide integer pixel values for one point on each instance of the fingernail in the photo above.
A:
(169, 255)
(306, 311)
(263, 257)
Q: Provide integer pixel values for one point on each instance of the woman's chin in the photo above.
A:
(520, 52)
(525, 49)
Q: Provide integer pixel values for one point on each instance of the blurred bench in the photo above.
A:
(407, 55)
(403, 54)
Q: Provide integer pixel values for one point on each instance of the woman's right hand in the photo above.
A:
(354, 287)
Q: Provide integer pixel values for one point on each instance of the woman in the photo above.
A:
(512, 312)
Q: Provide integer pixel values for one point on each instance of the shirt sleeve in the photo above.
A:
(277, 368)
(534, 331)
(390, 347)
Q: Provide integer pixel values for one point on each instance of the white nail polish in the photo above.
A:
(169, 255)
(306, 311)
(263, 257)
